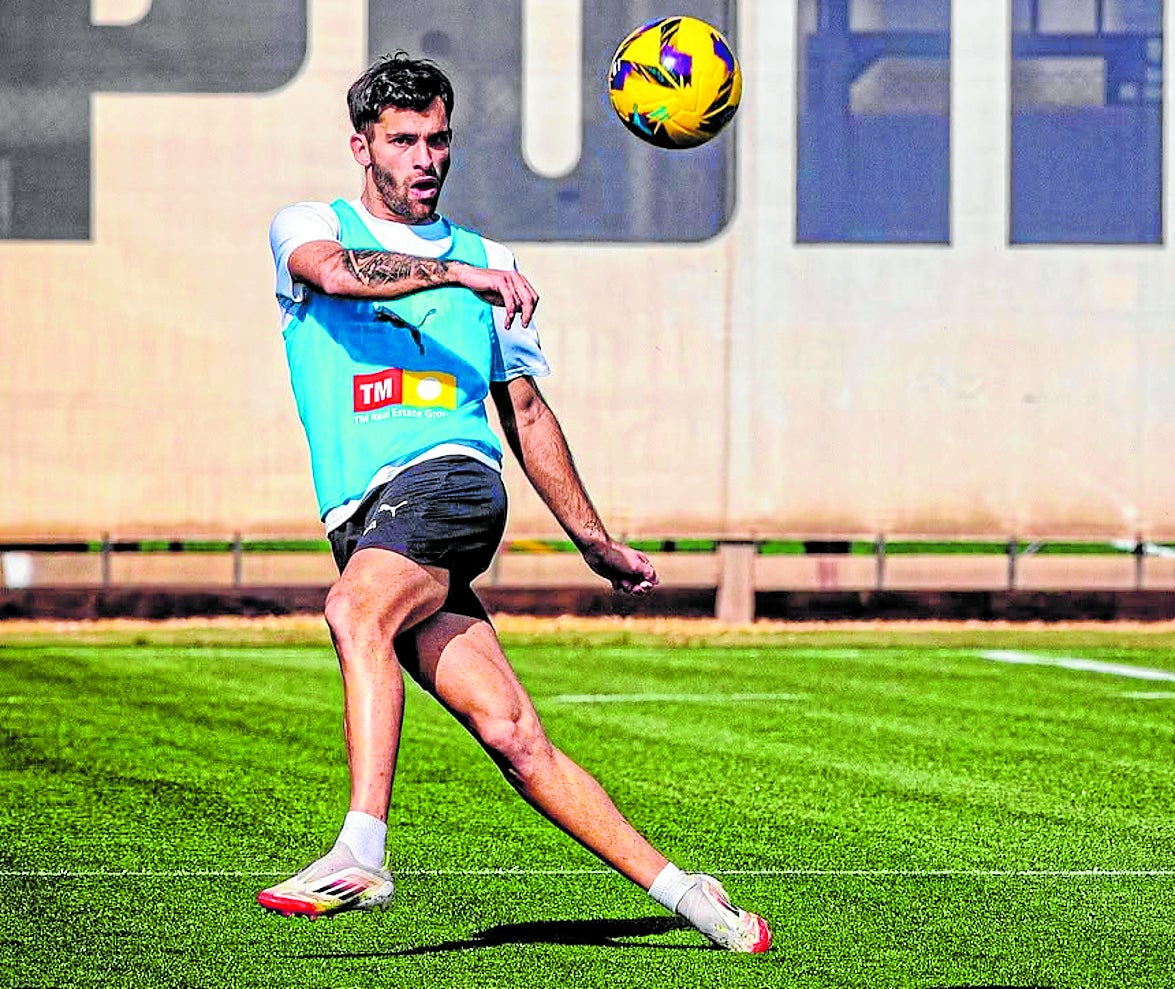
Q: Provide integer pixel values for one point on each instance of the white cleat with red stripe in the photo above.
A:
(707, 906)
(334, 883)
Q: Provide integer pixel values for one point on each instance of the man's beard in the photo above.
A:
(397, 199)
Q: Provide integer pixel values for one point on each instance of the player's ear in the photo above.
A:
(361, 149)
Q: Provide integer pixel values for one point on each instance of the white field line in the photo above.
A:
(1075, 663)
(1151, 695)
(781, 873)
(668, 698)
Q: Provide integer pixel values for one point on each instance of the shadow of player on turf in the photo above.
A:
(590, 933)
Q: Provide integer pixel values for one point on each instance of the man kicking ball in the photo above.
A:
(398, 325)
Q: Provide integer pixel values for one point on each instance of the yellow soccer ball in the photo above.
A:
(675, 82)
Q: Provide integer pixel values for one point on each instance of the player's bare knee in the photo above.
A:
(518, 745)
(339, 611)
(351, 623)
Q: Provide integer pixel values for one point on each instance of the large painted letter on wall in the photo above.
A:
(52, 58)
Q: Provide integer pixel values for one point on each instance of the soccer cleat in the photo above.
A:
(334, 883)
(709, 909)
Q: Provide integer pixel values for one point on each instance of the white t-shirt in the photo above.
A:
(519, 349)
(302, 223)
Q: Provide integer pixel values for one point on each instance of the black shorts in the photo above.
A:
(449, 512)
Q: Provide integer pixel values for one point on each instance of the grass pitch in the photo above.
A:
(919, 807)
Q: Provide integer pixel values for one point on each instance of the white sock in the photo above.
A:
(366, 836)
(670, 886)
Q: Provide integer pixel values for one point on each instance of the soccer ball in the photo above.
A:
(675, 82)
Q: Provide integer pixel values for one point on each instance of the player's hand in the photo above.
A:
(627, 569)
(508, 289)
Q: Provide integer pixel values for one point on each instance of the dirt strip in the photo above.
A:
(311, 625)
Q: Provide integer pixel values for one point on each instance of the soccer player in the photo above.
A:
(398, 325)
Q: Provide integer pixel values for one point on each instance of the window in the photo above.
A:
(1087, 121)
(873, 141)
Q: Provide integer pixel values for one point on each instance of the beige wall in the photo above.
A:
(976, 388)
(743, 386)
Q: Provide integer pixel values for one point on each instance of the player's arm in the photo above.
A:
(536, 439)
(370, 274)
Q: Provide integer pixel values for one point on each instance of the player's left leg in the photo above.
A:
(459, 660)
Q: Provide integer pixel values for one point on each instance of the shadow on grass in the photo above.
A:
(593, 933)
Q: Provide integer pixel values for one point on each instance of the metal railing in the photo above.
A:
(15, 553)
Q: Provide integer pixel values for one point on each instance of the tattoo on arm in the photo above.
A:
(385, 267)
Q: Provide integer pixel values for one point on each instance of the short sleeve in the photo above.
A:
(292, 227)
(517, 350)
(517, 353)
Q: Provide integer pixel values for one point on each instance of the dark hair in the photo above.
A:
(397, 81)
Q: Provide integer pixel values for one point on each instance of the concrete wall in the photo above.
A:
(741, 385)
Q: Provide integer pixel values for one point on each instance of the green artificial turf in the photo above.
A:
(903, 811)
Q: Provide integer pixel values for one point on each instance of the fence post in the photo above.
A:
(879, 555)
(107, 549)
(1139, 562)
(1013, 550)
(736, 583)
(238, 559)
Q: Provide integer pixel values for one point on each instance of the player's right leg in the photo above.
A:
(395, 553)
(335, 882)
(379, 594)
